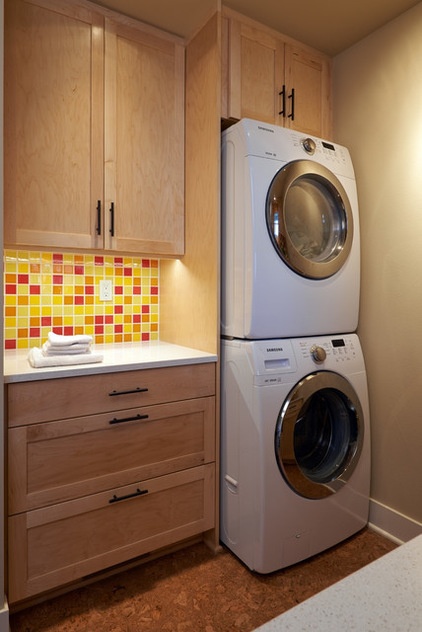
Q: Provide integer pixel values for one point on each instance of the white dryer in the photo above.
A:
(290, 226)
(295, 447)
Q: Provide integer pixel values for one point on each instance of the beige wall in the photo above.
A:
(378, 115)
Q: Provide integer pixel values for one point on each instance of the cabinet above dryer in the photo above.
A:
(272, 78)
(94, 130)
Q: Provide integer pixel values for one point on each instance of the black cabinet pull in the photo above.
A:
(282, 94)
(98, 229)
(135, 390)
(292, 109)
(112, 219)
(125, 419)
(139, 492)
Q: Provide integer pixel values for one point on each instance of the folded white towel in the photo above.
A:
(59, 340)
(37, 359)
(50, 350)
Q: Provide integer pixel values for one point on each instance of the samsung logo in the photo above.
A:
(266, 129)
(271, 349)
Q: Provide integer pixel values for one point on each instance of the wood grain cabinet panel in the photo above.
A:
(105, 468)
(94, 130)
(59, 544)
(274, 79)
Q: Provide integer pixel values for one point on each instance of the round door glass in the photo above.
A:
(319, 435)
(309, 219)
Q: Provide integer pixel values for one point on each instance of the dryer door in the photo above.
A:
(309, 219)
(319, 434)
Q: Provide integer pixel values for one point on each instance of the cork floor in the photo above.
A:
(196, 591)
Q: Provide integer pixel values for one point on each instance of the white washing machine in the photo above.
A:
(290, 225)
(295, 447)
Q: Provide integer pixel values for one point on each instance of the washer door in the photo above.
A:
(319, 435)
(309, 219)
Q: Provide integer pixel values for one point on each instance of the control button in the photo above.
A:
(309, 145)
(318, 353)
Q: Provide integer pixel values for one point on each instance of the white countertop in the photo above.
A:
(385, 596)
(117, 357)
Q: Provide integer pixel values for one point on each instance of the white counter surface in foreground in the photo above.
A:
(117, 357)
(385, 596)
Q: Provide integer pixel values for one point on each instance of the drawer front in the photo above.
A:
(58, 544)
(47, 400)
(61, 460)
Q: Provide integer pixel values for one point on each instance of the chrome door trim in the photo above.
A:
(323, 179)
(289, 415)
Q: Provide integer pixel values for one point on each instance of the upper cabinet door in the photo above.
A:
(270, 78)
(94, 130)
(53, 123)
(144, 139)
(256, 67)
(309, 74)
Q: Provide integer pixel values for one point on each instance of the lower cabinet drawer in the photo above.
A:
(56, 545)
(56, 461)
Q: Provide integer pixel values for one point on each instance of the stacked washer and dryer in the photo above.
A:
(295, 436)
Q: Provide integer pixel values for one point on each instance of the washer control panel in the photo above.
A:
(340, 349)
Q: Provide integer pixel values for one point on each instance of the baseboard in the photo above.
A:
(4, 619)
(392, 524)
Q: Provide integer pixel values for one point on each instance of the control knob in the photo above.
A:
(309, 145)
(318, 353)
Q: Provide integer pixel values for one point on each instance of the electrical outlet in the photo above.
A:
(106, 290)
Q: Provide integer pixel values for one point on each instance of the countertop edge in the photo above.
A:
(117, 358)
(383, 596)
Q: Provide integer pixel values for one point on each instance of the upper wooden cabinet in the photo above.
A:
(94, 130)
(273, 79)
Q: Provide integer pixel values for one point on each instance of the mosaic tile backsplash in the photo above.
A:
(59, 292)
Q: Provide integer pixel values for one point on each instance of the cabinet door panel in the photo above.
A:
(309, 74)
(53, 123)
(144, 140)
(256, 73)
(49, 400)
(57, 461)
(62, 543)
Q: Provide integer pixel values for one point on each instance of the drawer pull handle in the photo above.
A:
(139, 492)
(135, 390)
(125, 419)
